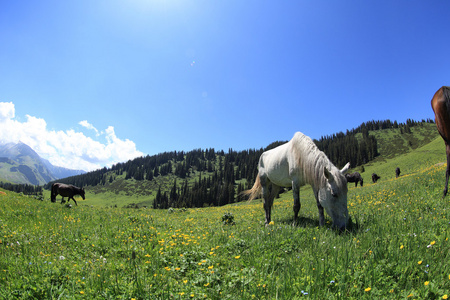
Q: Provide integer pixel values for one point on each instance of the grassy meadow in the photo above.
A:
(398, 248)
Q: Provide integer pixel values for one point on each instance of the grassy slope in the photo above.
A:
(400, 248)
(392, 142)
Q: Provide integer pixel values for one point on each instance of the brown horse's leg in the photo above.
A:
(447, 171)
(73, 201)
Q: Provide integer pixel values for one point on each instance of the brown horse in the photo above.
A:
(375, 178)
(65, 190)
(440, 104)
(354, 177)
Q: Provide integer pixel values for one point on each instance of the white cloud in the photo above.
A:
(88, 125)
(68, 148)
(7, 111)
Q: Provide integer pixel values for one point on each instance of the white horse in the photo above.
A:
(300, 162)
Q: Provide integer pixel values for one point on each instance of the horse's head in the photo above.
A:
(82, 194)
(333, 196)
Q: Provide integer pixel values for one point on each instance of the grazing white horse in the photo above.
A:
(300, 162)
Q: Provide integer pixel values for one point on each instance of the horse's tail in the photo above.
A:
(255, 191)
(53, 193)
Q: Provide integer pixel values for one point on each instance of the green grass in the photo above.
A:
(398, 249)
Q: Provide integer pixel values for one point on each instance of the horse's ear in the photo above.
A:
(345, 169)
(327, 174)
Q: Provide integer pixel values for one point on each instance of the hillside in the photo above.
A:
(396, 141)
(114, 187)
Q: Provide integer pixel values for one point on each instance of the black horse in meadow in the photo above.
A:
(397, 172)
(354, 177)
(66, 190)
(375, 178)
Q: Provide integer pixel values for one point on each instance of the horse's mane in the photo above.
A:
(446, 92)
(311, 160)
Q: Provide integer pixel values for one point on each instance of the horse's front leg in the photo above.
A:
(74, 201)
(320, 208)
(297, 204)
(447, 171)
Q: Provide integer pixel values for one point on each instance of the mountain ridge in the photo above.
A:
(20, 164)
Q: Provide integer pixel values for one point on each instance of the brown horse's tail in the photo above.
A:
(255, 191)
(53, 193)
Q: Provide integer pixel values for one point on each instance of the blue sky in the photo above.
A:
(129, 78)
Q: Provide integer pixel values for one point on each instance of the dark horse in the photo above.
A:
(440, 104)
(375, 178)
(397, 172)
(66, 190)
(354, 177)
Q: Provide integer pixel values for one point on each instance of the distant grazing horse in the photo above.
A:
(354, 177)
(66, 190)
(375, 178)
(294, 164)
(440, 104)
(397, 172)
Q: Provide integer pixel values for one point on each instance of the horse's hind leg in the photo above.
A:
(268, 196)
(267, 203)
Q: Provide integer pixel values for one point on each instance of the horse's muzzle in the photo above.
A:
(348, 226)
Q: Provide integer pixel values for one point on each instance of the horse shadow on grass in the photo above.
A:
(305, 222)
